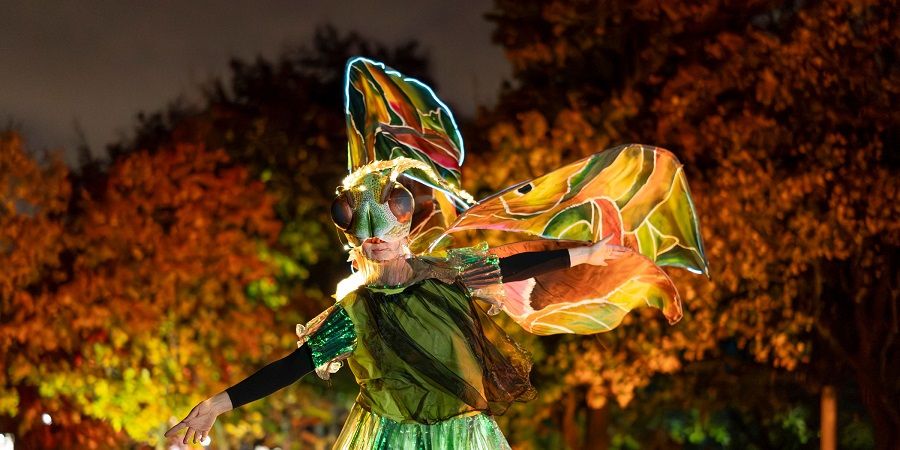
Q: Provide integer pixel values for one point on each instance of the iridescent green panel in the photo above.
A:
(335, 337)
(366, 430)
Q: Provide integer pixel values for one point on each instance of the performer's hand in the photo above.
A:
(602, 251)
(598, 253)
(201, 418)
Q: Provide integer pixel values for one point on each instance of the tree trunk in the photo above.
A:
(597, 436)
(569, 425)
(877, 326)
(885, 424)
(829, 419)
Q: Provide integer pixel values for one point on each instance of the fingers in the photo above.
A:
(192, 436)
(183, 424)
(609, 251)
(175, 429)
(607, 238)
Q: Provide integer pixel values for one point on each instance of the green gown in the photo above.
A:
(432, 367)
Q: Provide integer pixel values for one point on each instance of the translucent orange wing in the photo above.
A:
(585, 299)
(639, 193)
(636, 193)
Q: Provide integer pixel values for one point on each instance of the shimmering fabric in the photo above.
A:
(331, 338)
(365, 430)
(586, 299)
(474, 266)
(429, 352)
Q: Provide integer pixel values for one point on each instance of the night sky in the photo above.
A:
(97, 64)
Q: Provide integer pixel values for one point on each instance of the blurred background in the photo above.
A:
(166, 171)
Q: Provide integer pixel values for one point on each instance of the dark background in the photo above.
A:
(91, 65)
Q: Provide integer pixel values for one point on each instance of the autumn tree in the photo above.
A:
(783, 117)
(118, 303)
(34, 198)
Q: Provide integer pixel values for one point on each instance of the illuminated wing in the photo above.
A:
(391, 115)
(639, 195)
(585, 299)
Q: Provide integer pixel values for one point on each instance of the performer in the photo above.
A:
(413, 319)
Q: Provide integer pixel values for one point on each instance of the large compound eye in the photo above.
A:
(341, 212)
(400, 201)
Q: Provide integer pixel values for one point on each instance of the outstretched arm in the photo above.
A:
(523, 266)
(263, 382)
(272, 377)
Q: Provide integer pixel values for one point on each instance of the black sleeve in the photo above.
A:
(523, 266)
(272, 377)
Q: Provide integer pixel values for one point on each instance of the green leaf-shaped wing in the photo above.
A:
(638, 193)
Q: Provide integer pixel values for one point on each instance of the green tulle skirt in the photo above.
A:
(365, 430)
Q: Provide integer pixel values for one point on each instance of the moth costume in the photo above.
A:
(432, 366)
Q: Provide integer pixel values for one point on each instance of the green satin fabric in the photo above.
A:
(364, 430)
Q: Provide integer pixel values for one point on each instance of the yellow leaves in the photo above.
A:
(20, 369)
(118, 338)
(9, 402)
(101, 388)
(251, 426)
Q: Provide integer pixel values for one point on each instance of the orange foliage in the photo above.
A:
(111, 311)
(785, 120)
